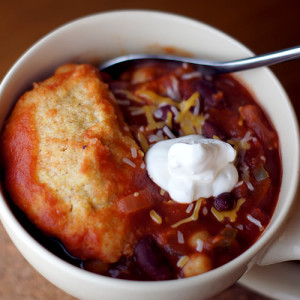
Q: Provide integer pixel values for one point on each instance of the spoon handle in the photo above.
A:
(259, 61)
(209, 67)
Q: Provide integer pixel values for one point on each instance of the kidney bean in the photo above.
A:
(241, 191)
(152, 261)
(223, 202)
(210, 94)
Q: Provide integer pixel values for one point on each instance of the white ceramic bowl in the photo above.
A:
(106, 35)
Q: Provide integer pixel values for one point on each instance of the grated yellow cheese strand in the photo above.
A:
(155, 216)
(130, 95)
(143, 141)
(162, 192)
(182, 261)
(186, 126)
(152, 124)
(240, 144)
(169, 119)
(189, 123)
(194, 215)
(231, 214)
(152, 97)
(186, 105)
(197, 120)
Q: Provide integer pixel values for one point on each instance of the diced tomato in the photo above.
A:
(254, 119)
(135, 202)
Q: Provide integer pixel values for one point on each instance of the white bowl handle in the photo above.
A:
(286, 246)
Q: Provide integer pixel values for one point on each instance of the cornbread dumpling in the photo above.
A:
(66, 152)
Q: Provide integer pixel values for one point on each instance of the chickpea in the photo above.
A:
(198, 263)
(141, 75)
(197, 236)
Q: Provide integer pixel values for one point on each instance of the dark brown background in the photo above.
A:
(262, 25)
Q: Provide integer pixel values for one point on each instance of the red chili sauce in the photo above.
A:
(162, 101)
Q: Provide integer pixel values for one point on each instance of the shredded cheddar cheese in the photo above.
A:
(162, 192)
(143, 141)
(241, 144)
(129, 95)
(190, 122)
(182, 261)
(155, 216)
(154, 98)
(152, 124)
(193, 217)
(186, 105)
(187, 127)
(169, 119)
(216, 137)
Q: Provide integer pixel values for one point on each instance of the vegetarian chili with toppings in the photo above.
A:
(162, 101)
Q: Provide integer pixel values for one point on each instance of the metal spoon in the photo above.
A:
(207, 67)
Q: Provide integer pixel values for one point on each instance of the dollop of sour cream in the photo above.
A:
(192, 166)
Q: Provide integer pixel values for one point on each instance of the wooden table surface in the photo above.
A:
(262, 25)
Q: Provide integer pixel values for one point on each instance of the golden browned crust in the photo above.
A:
(63, 150)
